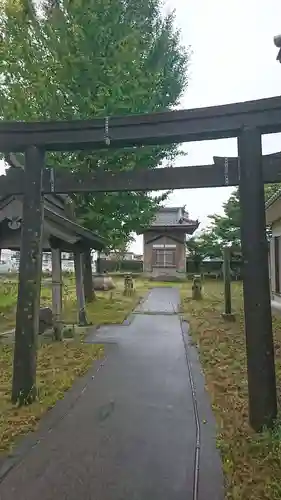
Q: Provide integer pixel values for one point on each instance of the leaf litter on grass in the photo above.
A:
(251, 462)
(58, 366)
(58, 363)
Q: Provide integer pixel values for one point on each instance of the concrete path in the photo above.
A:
(139, 427)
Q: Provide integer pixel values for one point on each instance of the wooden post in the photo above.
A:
(78, 264)
(257, 307)
(57, 293)
(227, 314)
(98, 265)
(27, 316)
(88, 277)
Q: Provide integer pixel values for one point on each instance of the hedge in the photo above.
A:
(136, 266)
(111, 266)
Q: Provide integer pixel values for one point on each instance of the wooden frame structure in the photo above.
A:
(60, 234)
(247, 121)
(223, 172)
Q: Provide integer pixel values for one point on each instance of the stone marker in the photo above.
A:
(128, 285)
(197, 287)
(45, 319)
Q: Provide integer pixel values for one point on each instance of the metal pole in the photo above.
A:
(27, 317)
(257, 306)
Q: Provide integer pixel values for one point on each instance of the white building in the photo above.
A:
(273, 219)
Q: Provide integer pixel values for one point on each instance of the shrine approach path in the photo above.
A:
(138, 426)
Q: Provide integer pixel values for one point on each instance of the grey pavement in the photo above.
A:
(138, 427)
(160, 301)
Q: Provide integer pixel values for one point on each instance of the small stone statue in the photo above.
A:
(45, 319)
(128, 285)
(197, 287)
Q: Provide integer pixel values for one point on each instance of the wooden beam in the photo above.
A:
(143, 180)
(227, 314)
(199, 176)
(257, 307)
(78, 265)
(271, 166)
(88, 276)
(57, 293)
(27, 316)
(198, 124)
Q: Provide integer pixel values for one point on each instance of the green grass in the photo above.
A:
(110, 307)
(58, 365)
(251, 462)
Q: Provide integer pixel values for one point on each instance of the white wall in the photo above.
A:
(276, 232)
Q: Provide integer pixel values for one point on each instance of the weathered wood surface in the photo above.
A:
(257, 307)
(88, 276)
(81, 305)
(227, 314)
(57, 293)
(197, 176)
(27, 316)
(214, 122)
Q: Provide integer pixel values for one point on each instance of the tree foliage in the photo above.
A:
(79, 59)
(201, 247)
(270, 190)
(223, 229)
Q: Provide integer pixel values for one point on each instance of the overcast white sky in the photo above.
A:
(234, 59)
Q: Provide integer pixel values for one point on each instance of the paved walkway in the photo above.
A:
(133, 429)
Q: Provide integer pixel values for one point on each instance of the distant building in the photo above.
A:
(164, 243)
(138, 256)
(118, 256)
(273, 219)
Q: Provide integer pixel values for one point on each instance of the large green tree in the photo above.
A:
(80, 59)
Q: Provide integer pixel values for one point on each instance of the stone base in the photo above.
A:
(167, 278)
(229, 317)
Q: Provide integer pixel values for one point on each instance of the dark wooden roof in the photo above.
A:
(57, 226)
(173, 218)
(62, 202)
(273, 198)
(59, 220)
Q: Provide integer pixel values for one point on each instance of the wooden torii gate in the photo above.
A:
(247, 121)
